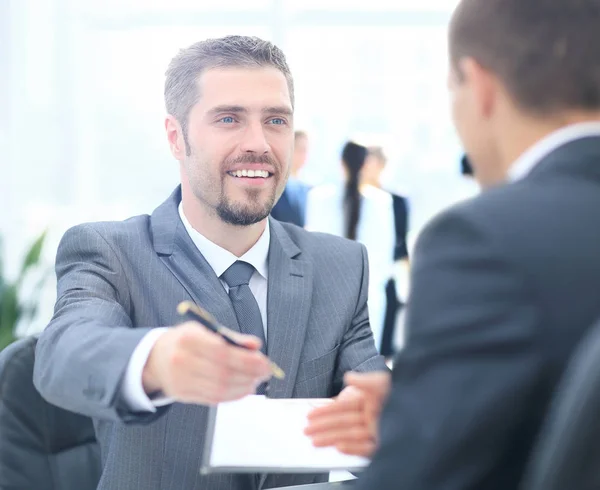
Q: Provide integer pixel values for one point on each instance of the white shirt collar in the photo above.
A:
(528, 160)
(220, 259)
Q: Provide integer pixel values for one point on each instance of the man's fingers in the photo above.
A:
(220, 354)
(339, 406)
(199, 366)
(201, 375)
(333, 422)
(350, 393)
(364, 449)
(251, 363)
(196, 338)
(377, 383)
(249, 341)
(342, 436)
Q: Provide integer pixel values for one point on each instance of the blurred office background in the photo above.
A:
(81, 107)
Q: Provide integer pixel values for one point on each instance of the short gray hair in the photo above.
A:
(181, 91)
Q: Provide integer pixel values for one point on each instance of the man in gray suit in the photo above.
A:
(504, 286)
(296, 297)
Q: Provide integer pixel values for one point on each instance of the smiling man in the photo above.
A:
(114, 351)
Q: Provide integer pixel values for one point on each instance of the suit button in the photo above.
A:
(94, 394)
(94, 390)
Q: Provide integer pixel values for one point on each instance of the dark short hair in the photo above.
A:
(181, 90)
(353, 158)
(545, 52)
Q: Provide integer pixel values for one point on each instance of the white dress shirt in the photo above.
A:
(534, 155)
(220, 260)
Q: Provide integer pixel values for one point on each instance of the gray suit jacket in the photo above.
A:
(118, 280)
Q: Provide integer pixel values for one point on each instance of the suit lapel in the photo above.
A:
(289, 291)
(288, 306)
(183, 259)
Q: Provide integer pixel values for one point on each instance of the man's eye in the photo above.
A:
(227, 120)
(277, 121)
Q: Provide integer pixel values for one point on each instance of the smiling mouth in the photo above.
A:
(251, 174)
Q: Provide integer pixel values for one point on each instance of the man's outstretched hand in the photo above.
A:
(350, 422)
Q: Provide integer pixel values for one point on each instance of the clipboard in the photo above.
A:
(265, 435)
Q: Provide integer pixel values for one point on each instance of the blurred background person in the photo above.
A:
(359, 211)
(467, 186)
(291, 207)
(397, 286)
(371, 175)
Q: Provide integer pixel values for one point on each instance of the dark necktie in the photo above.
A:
(244, 304)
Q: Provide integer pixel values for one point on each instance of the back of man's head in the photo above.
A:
(546, 53)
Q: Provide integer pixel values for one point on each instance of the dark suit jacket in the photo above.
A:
(117, 280)
(392, 305)
(503, 288)
(401, 226)
(291, 207)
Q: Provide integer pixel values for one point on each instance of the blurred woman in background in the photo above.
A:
(361, 212)
(396, 288)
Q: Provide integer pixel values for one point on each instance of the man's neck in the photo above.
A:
(236, 239)
(525, 133)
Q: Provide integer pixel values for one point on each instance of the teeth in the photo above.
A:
(250, 173)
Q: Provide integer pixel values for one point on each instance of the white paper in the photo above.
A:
(265, 433)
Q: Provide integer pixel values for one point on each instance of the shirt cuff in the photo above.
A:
(133, 390)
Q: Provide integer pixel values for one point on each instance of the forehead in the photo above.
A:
(252, 88)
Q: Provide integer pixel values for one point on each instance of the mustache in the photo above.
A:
(252, 158)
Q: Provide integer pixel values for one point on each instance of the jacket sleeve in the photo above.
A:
(357, 350)
(466, 379)
(82, 356)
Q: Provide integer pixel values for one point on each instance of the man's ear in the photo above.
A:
(483, 85)
(175, 138)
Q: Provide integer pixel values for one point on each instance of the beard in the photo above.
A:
(255, 207)
(244, 215)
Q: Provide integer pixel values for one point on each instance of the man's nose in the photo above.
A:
(254, 139)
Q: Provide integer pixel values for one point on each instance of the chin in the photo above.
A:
(240, 215)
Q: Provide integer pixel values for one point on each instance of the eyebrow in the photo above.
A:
(283, 110)
(228, 108)
(237, 109)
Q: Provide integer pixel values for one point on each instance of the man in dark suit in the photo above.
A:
(505, 285)
(297, 297)
(291, 207)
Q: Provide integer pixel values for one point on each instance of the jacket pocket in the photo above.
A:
(320, 366)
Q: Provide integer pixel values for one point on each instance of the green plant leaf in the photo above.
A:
(3, 286)
(6, 338)
(9, 312)
(11, 308)
(2, 278)
(33, 255)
